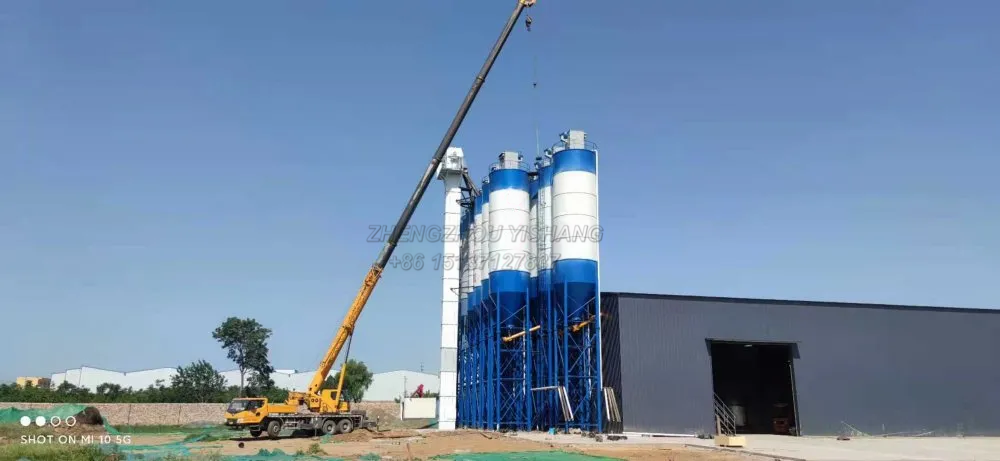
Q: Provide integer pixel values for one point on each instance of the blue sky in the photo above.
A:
(165, 165)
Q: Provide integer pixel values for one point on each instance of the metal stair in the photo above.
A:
(725, 419)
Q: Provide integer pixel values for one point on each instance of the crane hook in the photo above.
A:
(527, 23)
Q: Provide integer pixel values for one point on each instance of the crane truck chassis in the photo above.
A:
(326, 409)
(261, 417)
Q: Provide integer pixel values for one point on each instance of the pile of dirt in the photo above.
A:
(79, 429)
(396, 434)
(89, 415)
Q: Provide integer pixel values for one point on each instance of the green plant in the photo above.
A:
(51, 452)
(13, 432)
(315, 449)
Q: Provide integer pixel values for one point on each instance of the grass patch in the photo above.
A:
(315, 449)
(12, 432)
(51, 452)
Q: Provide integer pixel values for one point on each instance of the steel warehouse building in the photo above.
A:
(808, 368)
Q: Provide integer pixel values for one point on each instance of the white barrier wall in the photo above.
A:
(419, 408)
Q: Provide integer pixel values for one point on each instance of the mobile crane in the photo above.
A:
(329, 410)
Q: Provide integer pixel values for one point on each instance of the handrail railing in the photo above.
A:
(725, 419)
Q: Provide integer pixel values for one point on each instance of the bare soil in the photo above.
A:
(406, 444)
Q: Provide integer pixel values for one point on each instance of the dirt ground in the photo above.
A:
(403, 444)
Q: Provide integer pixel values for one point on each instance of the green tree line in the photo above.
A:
(195, 383)
(245, 342)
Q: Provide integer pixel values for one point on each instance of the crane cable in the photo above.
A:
(534, 86)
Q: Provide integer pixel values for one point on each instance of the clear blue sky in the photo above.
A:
(166, 164)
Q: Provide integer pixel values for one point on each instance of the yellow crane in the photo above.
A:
(328, 410)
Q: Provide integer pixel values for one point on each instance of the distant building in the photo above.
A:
(385, 386)
(24, 381)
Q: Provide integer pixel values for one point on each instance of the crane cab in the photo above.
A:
(246, 411)
(334, 401)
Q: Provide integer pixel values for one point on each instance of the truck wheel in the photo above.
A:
(255, 433)
(273, 428)
(329, 427)
(345, 426)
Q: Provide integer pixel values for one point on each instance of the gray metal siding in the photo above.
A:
(611, 365)
(880, 370)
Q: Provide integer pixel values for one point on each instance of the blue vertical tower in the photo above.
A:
(487, 310)
(478, 344)
(575, 288)
(536, 353)
(509, 289)
(463, 314)
(548, 401)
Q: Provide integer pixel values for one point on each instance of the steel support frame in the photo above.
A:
(514, 409)
(579, 360)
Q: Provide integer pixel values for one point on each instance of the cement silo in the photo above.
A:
(575, 287)
(532, 234)
(509, 289)
(530, 348)
(546, 402)
(487, 330)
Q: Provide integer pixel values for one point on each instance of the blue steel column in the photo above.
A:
(575, 254)
(468, 335)
(476, 307)
(509, 290)
(461, 395)
(487, 311)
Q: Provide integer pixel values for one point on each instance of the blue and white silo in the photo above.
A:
(575, 286)
(531, 237)
(488, 314)
(476, 314)
(510, 251)
(545, 369)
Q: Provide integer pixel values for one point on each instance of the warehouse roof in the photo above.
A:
(723, 299)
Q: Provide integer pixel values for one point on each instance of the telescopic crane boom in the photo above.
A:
(312, 397)
(327, 409)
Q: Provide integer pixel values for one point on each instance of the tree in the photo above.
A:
(245, 341)
(198, 382)
(259, 383)
(110, 392)
(356, 381)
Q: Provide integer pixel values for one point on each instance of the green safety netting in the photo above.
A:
(178, 451)
(13, 415)
(181, 450)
